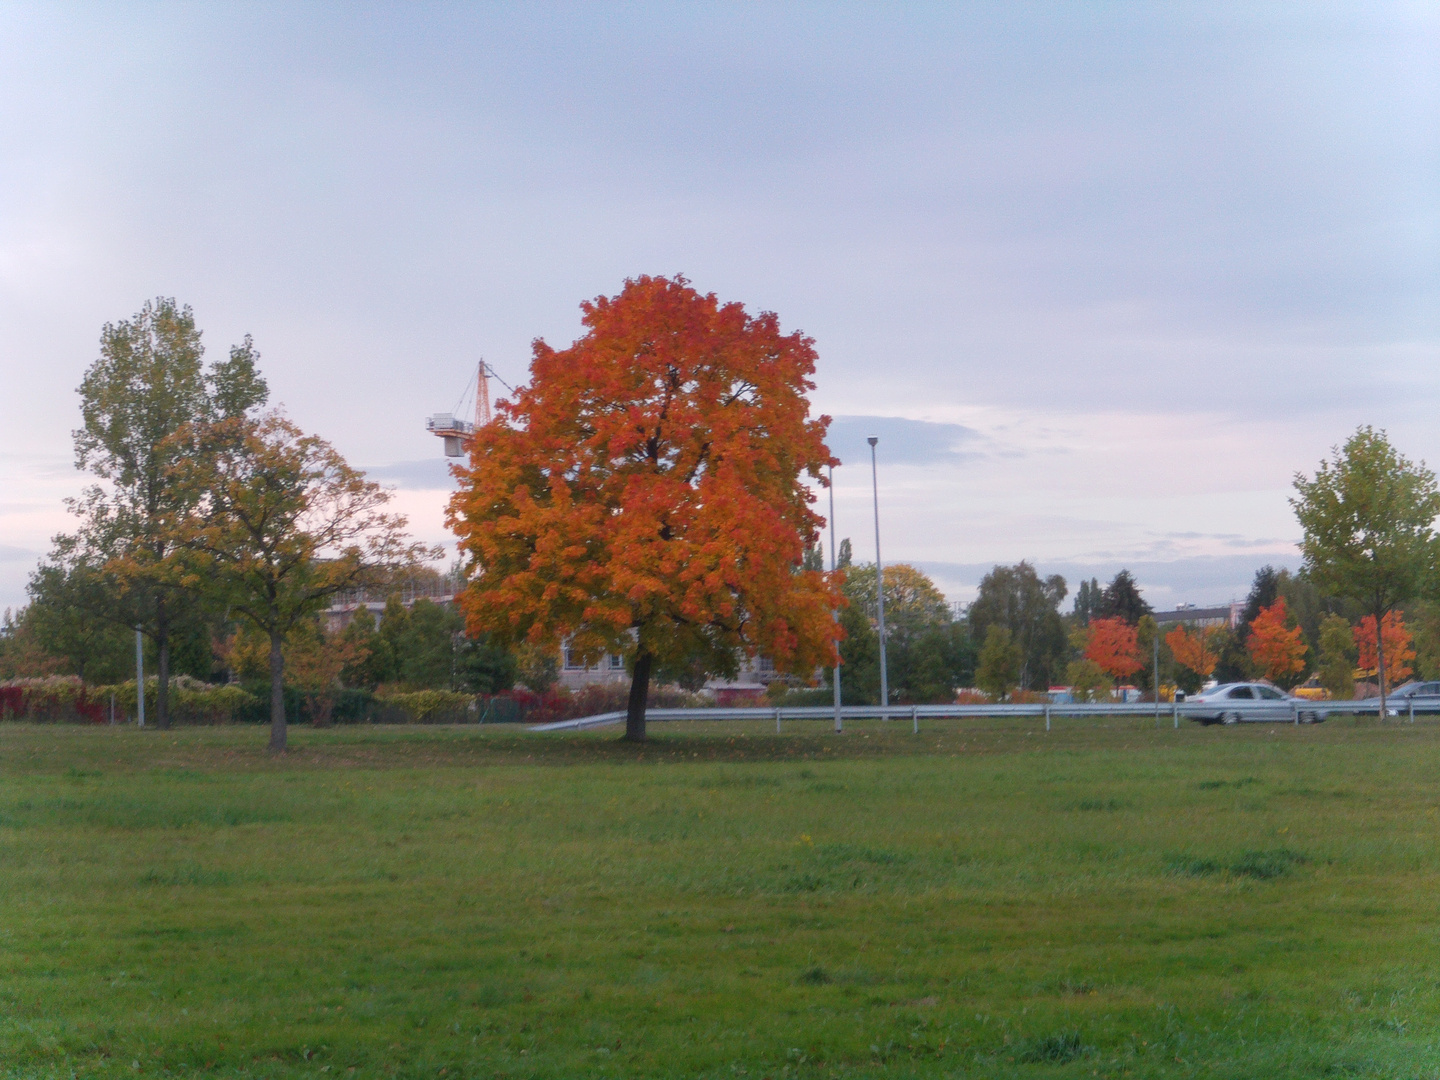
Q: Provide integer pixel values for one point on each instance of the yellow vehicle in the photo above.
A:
(1311, 690)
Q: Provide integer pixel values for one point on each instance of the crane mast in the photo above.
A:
(455, 430)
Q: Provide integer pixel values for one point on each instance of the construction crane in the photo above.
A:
(455, 430)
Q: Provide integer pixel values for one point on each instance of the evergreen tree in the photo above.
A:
(1121, 599)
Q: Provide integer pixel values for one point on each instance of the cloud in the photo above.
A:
(425, 475)
(902, 441)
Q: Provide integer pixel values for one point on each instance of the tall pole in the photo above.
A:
(879, 579)
(839, 726)
(140, 675)
(1156, 679)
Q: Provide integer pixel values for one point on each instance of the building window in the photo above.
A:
(617, 663)
(572, 662)
(765, 665)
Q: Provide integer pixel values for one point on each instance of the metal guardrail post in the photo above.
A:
(1295, 712)
(777, 721)
(914, 720)
(1047, 717)
(1412, 709)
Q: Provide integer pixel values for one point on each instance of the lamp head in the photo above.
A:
(872, 440)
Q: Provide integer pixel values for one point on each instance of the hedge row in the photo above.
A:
(66, 699)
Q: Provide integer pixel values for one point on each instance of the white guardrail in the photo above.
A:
(1281, 711)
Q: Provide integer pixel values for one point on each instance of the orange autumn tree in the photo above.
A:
(645, 494)
(1115, 645)
(1191, 649)
(1399, 649)
(1278, 650)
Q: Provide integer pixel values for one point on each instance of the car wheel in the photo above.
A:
(1309, 717)
(1230, 718)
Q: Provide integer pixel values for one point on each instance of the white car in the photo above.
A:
(1249, 702)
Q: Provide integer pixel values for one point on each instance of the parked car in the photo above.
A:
(1251, 702)
(1424, 696)
(1311, 690)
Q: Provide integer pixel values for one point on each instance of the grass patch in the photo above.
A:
(389, 904)
(1053, 1049)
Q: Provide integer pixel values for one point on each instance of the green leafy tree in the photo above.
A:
(1150, 640)
(1306, 604)
(393, 632)
(928, 655)
(1423, 619)
(1336, 669)
(66, 615)
(537, 667)
(429, 651)
(1028, 607)
(147, 384)
(485, 667)
(1368, 518)
(1088, 681)
(279, 524)
(1001, 657)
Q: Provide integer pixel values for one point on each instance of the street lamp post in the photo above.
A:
(140, 676)
(879, 579)
(839, 726)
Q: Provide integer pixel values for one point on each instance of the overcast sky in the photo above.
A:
(1102, 277)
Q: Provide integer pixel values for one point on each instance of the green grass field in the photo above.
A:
(1106, 900)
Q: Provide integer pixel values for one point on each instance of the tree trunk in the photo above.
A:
(162, 645)
(639, 691)
(277, 694)
(1380, 663)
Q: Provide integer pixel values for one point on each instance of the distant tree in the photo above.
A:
(1233, 663)
(1114, 646)
(928, 656)
(1277, 649)
(1306, 604)
(1153, 652)
(367, 667)
(537, 667)
(998, 672)
(1393, 642)
(147, 384)
(68, 619)
(279, 525)
(1423, 619)
(1121, 599)
(484, 667)
(1263, 591)
(428, 652)
(1193, 651)
(645, 495)
(314, 663)
(1336, 669)
(1368, 518)
(1087, 601)
(21, 656)
(1016, 598)
(846, 555)
(1088, 680)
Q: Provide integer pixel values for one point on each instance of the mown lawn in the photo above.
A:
(1106, 900)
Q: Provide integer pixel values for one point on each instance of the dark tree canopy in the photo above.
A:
(1026, 605)
(1121, 599)
(1263, 591)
